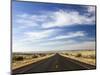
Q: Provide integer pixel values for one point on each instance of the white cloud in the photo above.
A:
(57, 43)
(26, 23)
(63, 18)
(24, 15)
(71, 35)
(37, 36)
(91, 9)
(58, 18)
(43, 35)
(28, 20)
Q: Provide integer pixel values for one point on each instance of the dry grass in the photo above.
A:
(86, 56)
(20, 60)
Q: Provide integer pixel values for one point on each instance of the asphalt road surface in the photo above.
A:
(55, 63)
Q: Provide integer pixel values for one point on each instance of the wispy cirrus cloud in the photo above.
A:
(26, 20)
(58, 18)
(63, 18)
(71, 35)
(44, 35)
(39, 35)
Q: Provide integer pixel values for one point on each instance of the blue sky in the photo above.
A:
(48, 27)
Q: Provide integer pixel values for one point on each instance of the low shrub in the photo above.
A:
(78, 55)
(66, 53)
(18, 58)
(92, 56)
(35, 56)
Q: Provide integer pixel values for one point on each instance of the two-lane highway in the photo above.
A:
(53, 64)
